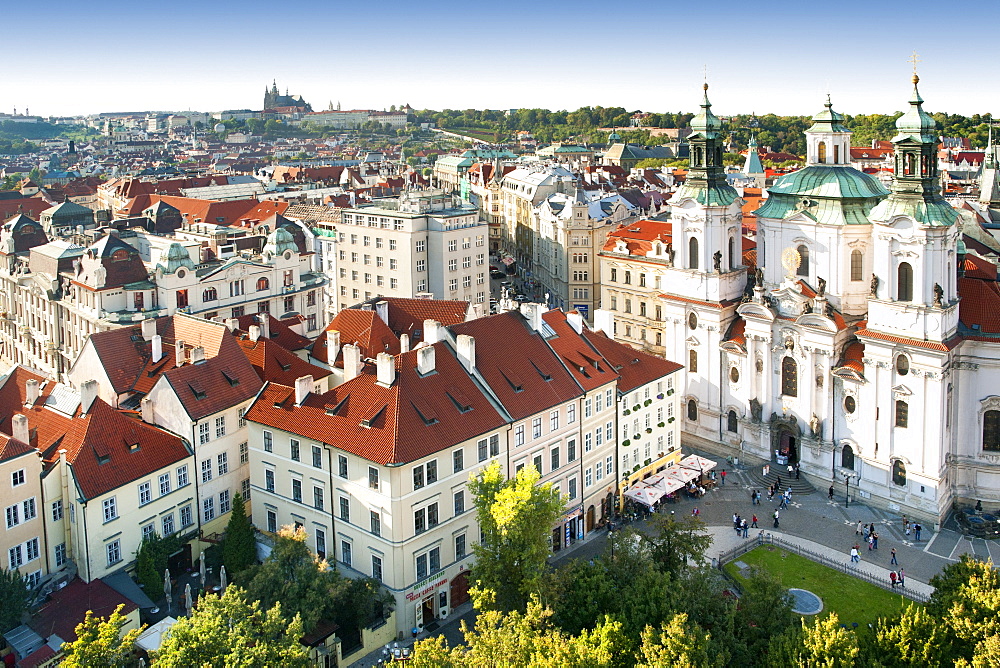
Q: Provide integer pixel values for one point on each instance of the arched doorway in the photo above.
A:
(785, 437)
(460, 589)
(590, 519)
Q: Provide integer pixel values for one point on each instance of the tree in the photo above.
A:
(239, 549)
(765, 612)
(100, 644)
(14, 597)
(674, 541)
(677, 643)
(149, 578)
(515, 517)
(913, 638)
(822, 644)
(967, 600)
(232, 632)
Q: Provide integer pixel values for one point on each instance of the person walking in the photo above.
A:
(902, 578)
(796, 471)
(775, 519)
(736, 519)
(855, 557)
(857, 532)
(743, 525)
(777, 485)
(874, 540)
(916, 530)
(831, 492)
(893, 561)
(723, 474)
(871, 541)
(754, 524)
(892, 578)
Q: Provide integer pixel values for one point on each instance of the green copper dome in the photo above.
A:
(916, 123)
(706, 124)
(833, 195)
(828, 120)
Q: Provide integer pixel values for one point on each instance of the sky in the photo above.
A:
(767, 57)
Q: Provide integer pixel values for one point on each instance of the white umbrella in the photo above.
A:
(201, 568)
(187, 597)
(222, 579)
(166, 587)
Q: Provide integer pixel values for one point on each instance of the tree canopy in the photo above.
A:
(14, 597)
(239, 549)
(99, 642)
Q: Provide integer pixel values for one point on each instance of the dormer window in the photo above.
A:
(119, 255)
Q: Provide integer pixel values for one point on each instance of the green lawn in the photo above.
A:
(853, 600)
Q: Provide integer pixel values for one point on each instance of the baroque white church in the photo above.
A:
(865, 347)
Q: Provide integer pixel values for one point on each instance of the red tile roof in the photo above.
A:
(527, 382)
(207, 211)
(280, 331)
(639, 236)
(977, 267)
(275, 364)
(216, 384)
(635, 368)
(362, 328)
(854, 353)
(68, 606)
(737, 332)
(589, 368)
(29, 206)
(406, 316)
(980, 305)
(905, 340)
(413, 418)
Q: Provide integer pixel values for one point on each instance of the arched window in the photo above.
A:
(263, 284)
(119, 255)
(693, 361)
(803, 269)
(692, 253)
(836, 154)
(857, 266)
(210, 295)
(692, 410)
(902, 365)
(904, 282)
(847, 457)
(822, 152)
(789, 377)
(991, 430)
(899, 472)
(908, 163)
(732, 253)
(731, 422)
(902, 414)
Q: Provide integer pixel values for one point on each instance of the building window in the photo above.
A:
(376, 523)
(519, 435)
(203, 433)
(13, 516)
(114, 552)
(110, 509)
(692, 410)
(554, 454)
(692, 253)
(224, 503)
(904, 282)
(847, 457)
(459, 502)
(342, 466)
(317, 456)
(377, 568)
(991, 430)
(223, 462)
(588, 478)
(167, 524)
(345, 509)
(457, 460)
(803, 269)
(272, 521)
(268, 442)
(571, 488)
(293, 449)
(61, 550)
(145, 493)
(481, 447)
(320, 543)
(208, 509)
(182, 476)
(789, 377)
(571, 450)
(245, 488)
(372, 477)
(732, 423)
(902, 365)
(345, 552)
(297, 491)
(898, 472)
(494, 445)
(187, 517)
(902, 414)
(206, 470)
(17, 478)
(857, 266)
(269, 480)
(460, 548)
(57, 509)
(419, 521)
(244, 452)
(263, 284)
(693, 361)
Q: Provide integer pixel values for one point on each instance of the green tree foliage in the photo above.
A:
(233, 632)
(913, 638)
(515, 517)
(676, 644)
(824, 643)
(100, 644)
(308, 588)
(527, 639)
(764, 612)
(967, 600)
(151, 562)
(239, 549)
(14, 597)
(674, 541)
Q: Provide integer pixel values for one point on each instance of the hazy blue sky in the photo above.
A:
(780, 57)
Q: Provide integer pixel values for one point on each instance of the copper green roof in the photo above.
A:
(929, 212)
(916, 124)
(830, 194)
(719, 194)
(706, 124)
(828, 120)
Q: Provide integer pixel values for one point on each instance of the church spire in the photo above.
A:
(828, 140)
(706, 180)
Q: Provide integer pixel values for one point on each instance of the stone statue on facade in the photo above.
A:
(821, 289)
(874, 285)
(756, 410)
(814, 426)
(938, 294)
(670, 254)
(717, 261)
(758, 277)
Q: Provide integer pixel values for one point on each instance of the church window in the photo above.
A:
(904, 282)
(899, 472)
(732, 253)
(857, 266)
(850, 404)
(731, 422)
(836, 154)
(908, 164)
(692, 253)
(822, 152)
(789, 377)
(847, 457)
(902, 365)
(693, 361)
(734, 374)
(803, 269)
(692, 410)
(902, 414)
(693, 320)
(991, 430)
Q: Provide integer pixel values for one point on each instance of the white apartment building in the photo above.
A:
(522, 190)
(422, 242)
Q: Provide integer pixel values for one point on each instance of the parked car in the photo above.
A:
(497, 274)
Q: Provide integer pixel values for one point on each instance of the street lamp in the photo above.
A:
(847, 494)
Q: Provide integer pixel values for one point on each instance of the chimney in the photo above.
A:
(148, 329)
(533, 313)
(404, 343)
(31, 392)
(604, 321)
(425, 360)
(332, 345)
(575, 321)
(157, 348)
(352, 361)
(232, 324)
(198, 355)
(147, 410)
(180, 353)
(467, 352)
(385, 365)
(303, 386)
(88, 392)
(382, 309)
(432, 331)
(20, 424)
(254, 331)
(265, 325)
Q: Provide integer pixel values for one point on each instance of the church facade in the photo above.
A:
(274, 100)
(865, 345)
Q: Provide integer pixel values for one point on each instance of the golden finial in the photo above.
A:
(914, 59)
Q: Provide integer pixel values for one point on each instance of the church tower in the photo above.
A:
(914, 288)
(828, 140)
